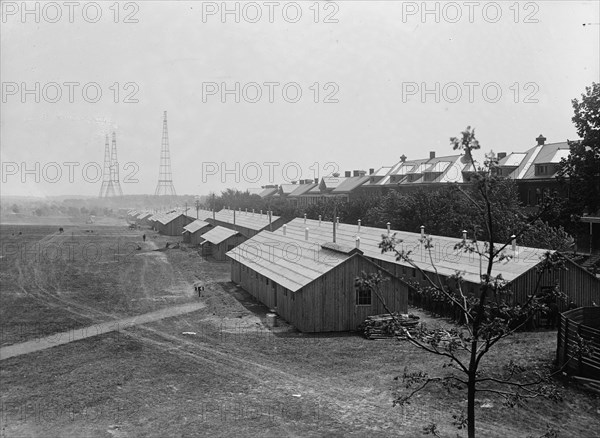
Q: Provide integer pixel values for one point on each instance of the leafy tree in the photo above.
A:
(490, 314)
(581, 170)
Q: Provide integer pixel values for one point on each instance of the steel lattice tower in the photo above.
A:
(106, 175)
(165, 177)
(113, 187)
(115, 167)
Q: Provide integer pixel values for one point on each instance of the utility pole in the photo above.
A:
(197, 207)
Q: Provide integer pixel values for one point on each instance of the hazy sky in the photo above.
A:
(372, 59)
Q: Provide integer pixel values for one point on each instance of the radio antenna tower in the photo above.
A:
(113, 187)
(165, 177)
(106, 175)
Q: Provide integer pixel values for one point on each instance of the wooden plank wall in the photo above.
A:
(575, 323)
(580, 286)
(175, 227)
(196, 238)
(326, 304)
(219, 251)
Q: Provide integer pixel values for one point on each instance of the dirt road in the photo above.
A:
(95, 330)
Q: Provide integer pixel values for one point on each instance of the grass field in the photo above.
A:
(216, 371)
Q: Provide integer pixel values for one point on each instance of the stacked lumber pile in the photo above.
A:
(387, 326)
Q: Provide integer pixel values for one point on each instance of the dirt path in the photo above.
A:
(95, 330)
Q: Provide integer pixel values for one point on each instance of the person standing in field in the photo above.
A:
(144, 237)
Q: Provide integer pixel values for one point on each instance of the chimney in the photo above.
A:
(284, 228)
(371, 171)
(422, 231)
(261, 213)
(337, 221)
(356, 173)
(403, 158)
(541, 140)
(347, 174)
(306, 233)
(316, 180)
(233, 217)
(319, 220)
(304, 217)
(431, 155)
(514, 241)
(361, 173)
(252, 212)
(357, 240)
(335, 175)
(294, 182)
(501, 155)
(389, 225)
(464, 234)
(359, 225)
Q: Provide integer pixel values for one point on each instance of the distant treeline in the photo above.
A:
(76, 207)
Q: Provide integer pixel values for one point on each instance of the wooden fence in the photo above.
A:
(583, 323)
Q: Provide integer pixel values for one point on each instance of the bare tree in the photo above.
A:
(488, 315)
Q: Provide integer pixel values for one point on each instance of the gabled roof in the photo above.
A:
(195, 226)
(540, 154)
(302, 189)
(287, 189)
(350, 184)
(218, 235)
(253, 221)
(447, 259)
(446, 170)
(316, 190)
(378, 175)
(204, 214)
(289, 262)
(331, 182)
(255, 190)
(268, 192)
(169, 217)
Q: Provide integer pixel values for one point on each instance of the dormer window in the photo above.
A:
(544, 169)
